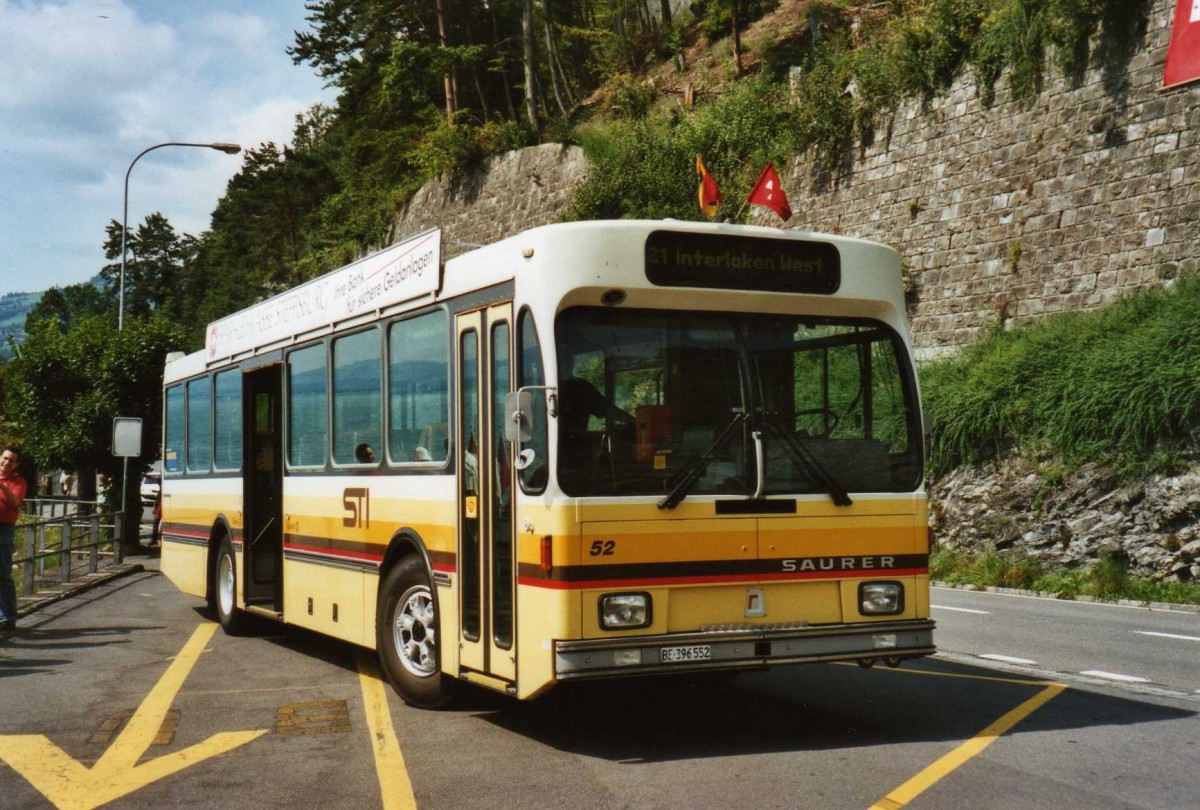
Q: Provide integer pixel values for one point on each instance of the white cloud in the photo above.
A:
(88, 85)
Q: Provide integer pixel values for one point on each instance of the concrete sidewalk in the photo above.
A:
(144, 560)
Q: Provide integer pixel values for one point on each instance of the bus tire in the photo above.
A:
(225, 590)
(407, 636)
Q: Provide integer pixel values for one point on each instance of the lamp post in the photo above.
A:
(227, 148)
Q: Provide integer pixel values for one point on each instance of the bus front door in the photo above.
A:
(262, 539)
(486, 569)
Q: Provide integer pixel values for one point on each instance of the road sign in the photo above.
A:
(127, 436)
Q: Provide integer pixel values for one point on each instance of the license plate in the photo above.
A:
(672, 655)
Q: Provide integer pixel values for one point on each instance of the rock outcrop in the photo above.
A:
(1072, 519)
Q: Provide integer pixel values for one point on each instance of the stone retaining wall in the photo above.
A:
(1003, 213)
(510, 193)
(1027, 208)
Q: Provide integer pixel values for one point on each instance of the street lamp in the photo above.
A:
(227, 148)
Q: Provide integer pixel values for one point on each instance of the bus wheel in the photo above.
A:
(225, 587)
(407, 636)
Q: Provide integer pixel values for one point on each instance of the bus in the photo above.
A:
(590, 450)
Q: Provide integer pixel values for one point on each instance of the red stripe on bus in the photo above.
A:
(333, 552)
(185, 533)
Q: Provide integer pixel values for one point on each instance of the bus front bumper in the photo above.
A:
(742, 648)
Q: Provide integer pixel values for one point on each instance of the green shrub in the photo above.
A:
(629, 99)
(646, 168)
(1107, 579)
(1064, 584)
(1022, 573)
(944, 564)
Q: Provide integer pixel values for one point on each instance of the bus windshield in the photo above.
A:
(653, 402)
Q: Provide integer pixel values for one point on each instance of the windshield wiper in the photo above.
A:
(807, 462)
(692, 473)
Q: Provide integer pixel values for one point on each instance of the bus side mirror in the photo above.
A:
(519, 407)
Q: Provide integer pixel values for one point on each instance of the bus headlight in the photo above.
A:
(622, 611)
(880, 598)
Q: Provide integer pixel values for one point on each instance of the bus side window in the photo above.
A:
(307, 397)
(227, 420)
(418, 390)
(530, 372)
(173, 431)
(356, 401)
(199, 425)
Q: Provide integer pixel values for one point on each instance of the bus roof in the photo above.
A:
(564, 257)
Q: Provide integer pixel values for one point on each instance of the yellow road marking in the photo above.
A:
(972, 747)
(394, 785)
(931, 673)
(71, 786)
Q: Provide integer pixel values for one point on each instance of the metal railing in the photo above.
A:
(53, 506)
(55, 549)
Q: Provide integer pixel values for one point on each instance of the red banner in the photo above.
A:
(1183, 55)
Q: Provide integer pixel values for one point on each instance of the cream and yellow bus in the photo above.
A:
(590, 450)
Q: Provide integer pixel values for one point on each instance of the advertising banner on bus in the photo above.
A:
(402, 272)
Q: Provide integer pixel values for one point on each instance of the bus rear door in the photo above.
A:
(263, 489)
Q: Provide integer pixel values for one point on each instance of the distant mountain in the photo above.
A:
(13, 309)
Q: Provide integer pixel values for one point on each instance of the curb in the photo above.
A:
(1081, 598)
(31, 604)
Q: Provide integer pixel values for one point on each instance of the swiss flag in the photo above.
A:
(1183, 54)
(768, 192)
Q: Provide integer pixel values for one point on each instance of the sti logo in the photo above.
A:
(213, 334)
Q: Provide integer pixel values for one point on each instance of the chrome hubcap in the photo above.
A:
(414, 632)
(225, 585)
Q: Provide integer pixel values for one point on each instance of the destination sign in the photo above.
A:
(402, 272)
(679, 259)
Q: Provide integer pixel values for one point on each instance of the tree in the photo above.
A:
(64, 389)
(67, 306)
(264, 226)
(451, 86)
(527, 36)
(155, 259)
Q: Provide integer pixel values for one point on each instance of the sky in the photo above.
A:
(85, 85)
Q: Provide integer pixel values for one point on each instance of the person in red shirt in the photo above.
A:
(12, 493)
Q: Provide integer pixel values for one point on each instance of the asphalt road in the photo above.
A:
(126, 696)
(1133, 645)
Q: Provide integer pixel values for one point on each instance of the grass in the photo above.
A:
(52, 543)
(1117, 386)
(1107, 579)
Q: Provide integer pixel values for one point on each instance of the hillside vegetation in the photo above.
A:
(425, 90)
(643, 91)
(13, 309)
(1119, 386)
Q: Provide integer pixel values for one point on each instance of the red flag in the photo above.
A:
(1183, 54)
(768, 192)
(710, 195)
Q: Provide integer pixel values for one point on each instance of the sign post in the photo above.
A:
(127, 441)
